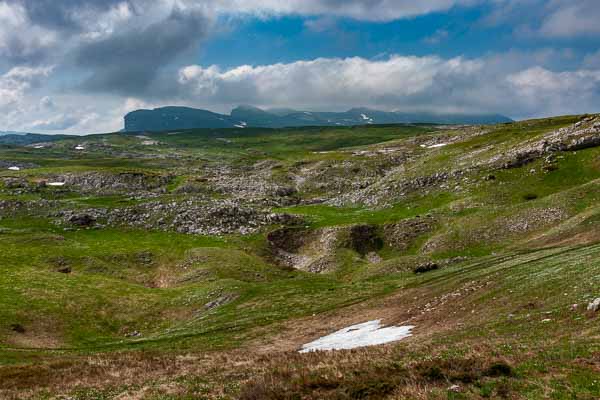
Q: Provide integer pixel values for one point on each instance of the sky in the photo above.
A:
(78, 66)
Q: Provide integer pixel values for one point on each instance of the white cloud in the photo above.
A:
(367, 10)
(569, 92)
(17, 81)
(323, 81)
(54, 123)
(572, 18)
(408, 83)
(46, 102)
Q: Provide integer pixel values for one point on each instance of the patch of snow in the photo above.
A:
(366, 118)
(39, 146)
(242, 124)
(435, 146)
(14, 168)
(56, 184)
(80, 147)
(366, 334)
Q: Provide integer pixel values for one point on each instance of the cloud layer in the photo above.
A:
(365, 10)
(406, 83)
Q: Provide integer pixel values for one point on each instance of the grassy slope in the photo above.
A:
(533, 276)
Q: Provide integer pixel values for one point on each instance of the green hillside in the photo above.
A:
(195, 264)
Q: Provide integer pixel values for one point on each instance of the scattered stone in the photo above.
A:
(429, 266)
(594, 306)
(83, 220)
(222, 300)
(374, 258)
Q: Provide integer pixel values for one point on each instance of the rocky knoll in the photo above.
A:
(95, 182)
(212, 218)
(581, 135)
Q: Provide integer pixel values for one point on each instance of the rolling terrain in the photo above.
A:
(195, 264)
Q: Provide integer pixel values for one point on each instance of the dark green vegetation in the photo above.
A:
(156, 270)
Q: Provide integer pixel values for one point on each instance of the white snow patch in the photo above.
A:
(80, 147)
(14, 168)
(39, 146)
(366, 118)
(366, 334)
(56, 184)
(435, 146)
(242, 124)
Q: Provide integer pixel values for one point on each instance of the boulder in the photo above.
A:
(82, 220)
(594, 306)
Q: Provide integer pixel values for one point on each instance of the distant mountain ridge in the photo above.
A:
(24, 139)
(172, 117)
(5, 133)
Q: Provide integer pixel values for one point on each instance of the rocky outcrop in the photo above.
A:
(127, 182)
(4, 164)
(34, 207)
(255, 185)
(581, 135)
(305, 249)
(394, 187)
(401, 235)
(212, 218)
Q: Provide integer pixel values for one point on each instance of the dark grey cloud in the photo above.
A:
(63, 15)
(128, 62)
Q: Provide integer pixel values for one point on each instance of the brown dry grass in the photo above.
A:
(271, 364)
